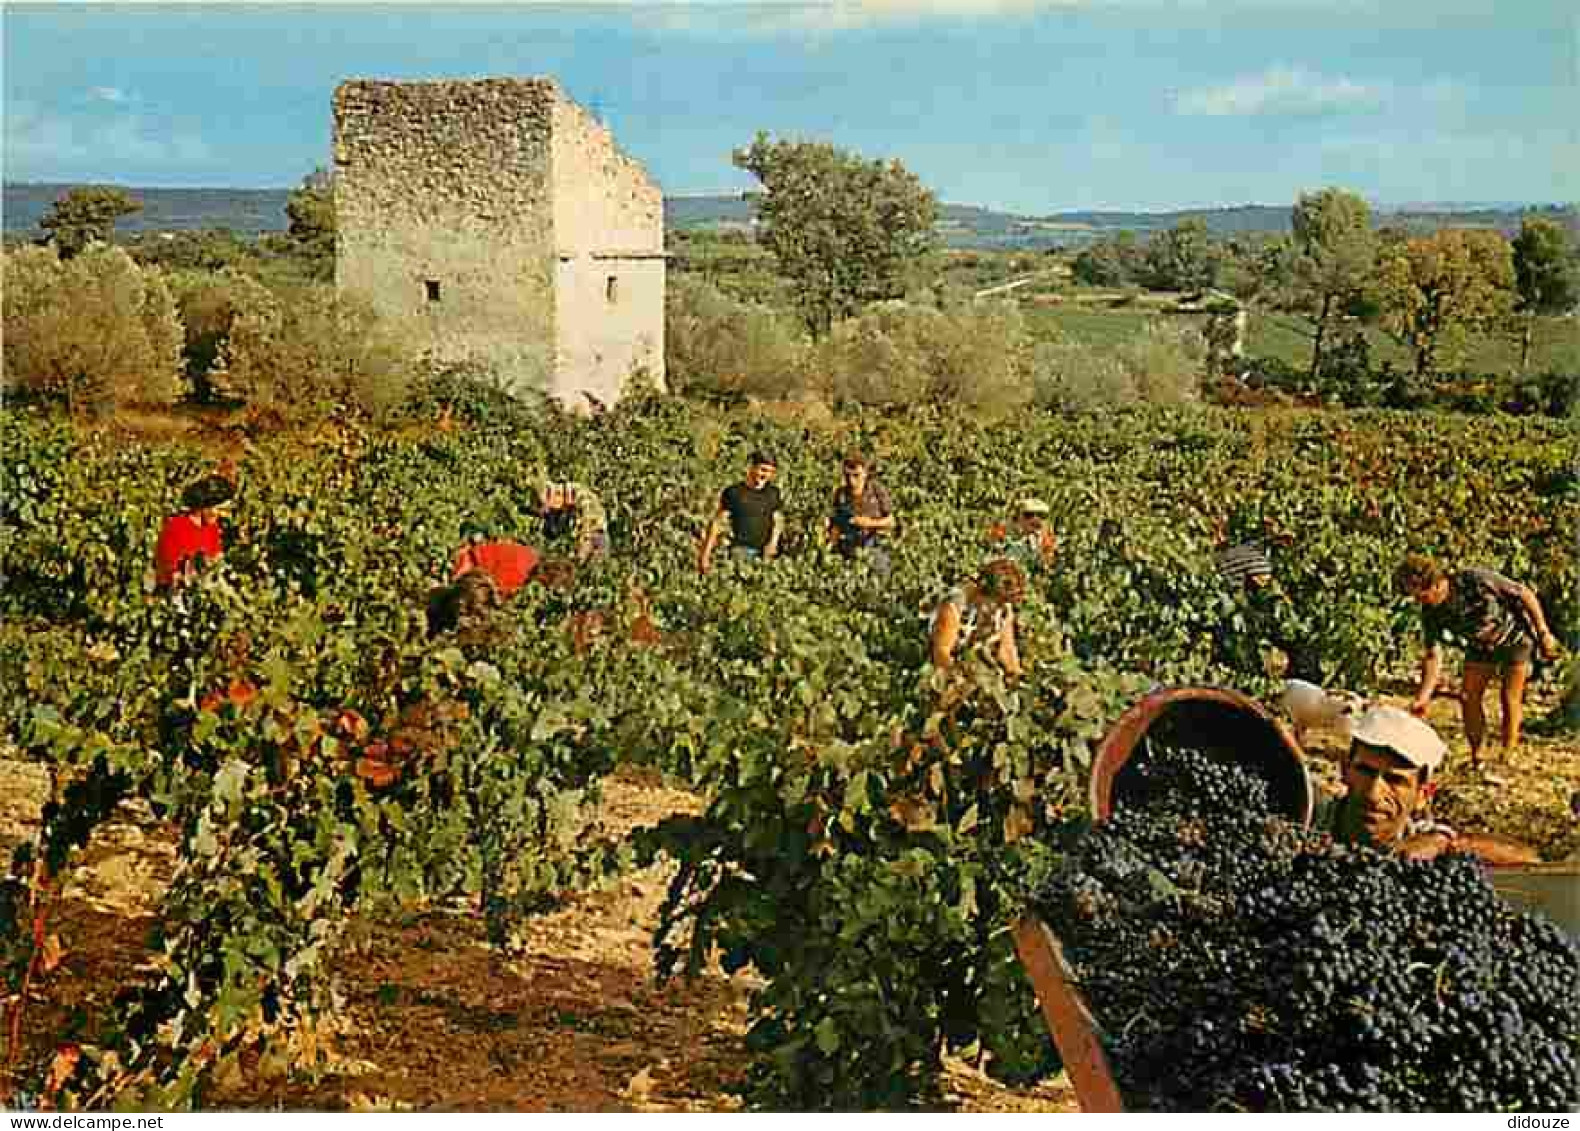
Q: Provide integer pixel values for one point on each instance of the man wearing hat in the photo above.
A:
(192, 534)
(1388, 773)
(573, 513)
(754, 512)
(1034, 544)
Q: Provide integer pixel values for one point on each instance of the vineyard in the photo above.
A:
(862, 827)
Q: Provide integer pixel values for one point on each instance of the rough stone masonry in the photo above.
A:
(498, 222)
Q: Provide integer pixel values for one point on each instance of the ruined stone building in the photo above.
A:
(499, 219)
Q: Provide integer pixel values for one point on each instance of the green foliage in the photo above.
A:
(845, 231)
(1336, 252)
(310, 211)
(85, 215)
(1546, 274)
(1158, 364)
(895, 354)
(869, 822)
(1113, 261)
(305, 352)
(718, 346)
(1184, 258)
(93, 331)
(210, 303)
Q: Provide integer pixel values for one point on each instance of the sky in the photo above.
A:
(1028, 106)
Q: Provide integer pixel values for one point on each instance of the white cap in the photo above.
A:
(1402, 733)
(1033, 505)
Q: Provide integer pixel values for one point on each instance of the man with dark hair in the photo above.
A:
(192, 534)
(862, 515)
(753, 510)
(1499, 624)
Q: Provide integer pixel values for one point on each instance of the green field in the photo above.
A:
(1288, 337)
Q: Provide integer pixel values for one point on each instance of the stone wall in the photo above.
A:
(609, 233)
(490, 215)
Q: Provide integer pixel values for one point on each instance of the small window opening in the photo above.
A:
(431, 288)
(611, 288)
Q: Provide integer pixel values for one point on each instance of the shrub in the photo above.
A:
(719, 346)
(94, 331)
(1161, 366)
(1166, 363)
(312, 350)
(210, 304)
(894, 354)
(1075, 377)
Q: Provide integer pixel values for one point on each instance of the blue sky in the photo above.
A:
(1032, 106)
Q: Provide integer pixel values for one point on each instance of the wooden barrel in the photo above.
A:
(1219, 721)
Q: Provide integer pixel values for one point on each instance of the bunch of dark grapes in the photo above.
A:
(1236, 962)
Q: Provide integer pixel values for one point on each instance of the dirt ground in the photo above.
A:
(433, 1019)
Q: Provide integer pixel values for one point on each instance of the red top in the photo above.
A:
(508, 563)
(183, 538)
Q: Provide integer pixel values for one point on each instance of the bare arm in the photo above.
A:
(1538, 621)
(1008, 649)
(710, 538)
(1431, 668)
(772, 547)
(946, 634)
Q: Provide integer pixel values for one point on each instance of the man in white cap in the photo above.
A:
(1033, 545)
(1388, 771)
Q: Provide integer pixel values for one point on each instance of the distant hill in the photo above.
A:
(248, 211)
(251, 211)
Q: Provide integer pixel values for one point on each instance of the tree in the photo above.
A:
(844, 231)
(1182, 258)
(1434, 289)
(1335, 253)
(1546, 275)
(1110, 262)
(84, 215)
(310, 211)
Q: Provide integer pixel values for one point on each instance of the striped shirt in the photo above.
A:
(1238, 564)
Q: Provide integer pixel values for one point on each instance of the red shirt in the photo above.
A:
(508, 563)
(183, 538)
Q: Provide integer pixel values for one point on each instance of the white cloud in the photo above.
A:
(108, 94)
(1280, 90)
(40, 144)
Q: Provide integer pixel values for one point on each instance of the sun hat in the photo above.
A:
(1401, 733)
(1033, 505)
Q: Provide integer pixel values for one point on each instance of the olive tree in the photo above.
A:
(83, 216)
(845, 231)
(1335, 253)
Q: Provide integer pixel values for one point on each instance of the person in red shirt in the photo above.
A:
(487, 573)
(508, 563)
(192, 534)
